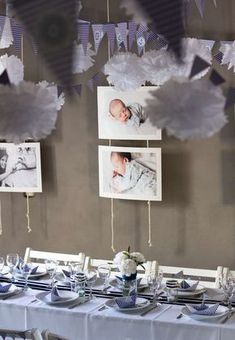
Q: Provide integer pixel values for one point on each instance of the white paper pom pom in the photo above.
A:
(14, 67)
(27, 111)
(82, 62)
(135, 10)
(228, 51)
(193, 47)
(54, 92)
(158, 66)
(188, 109)
(125, 72)
(6, 37)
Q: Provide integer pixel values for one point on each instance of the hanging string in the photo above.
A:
(22, 48)
(27, 213)
(149, 216)
(0, 217)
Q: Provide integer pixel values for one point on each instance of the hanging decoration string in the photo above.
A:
(22, 48)
(149, 216)
(0, 217)
(27, 213)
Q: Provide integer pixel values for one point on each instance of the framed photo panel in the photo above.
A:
(123, 115)
(130, 173)
(20, 167)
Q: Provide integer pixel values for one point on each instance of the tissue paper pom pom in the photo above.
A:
(125, 72)
(6, 37)
(135, 10)
(14, 67)
(158, 66)
(193, 47)
(82, 62)
(228, 51)
(59, 101)
(28, 111)
(188, 109)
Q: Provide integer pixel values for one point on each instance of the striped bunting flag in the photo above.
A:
(167, 17)
(141, 38)
(132, 26)
(2, 23)
(17, 31)
(83, 31)
(98, 35)
(52, 25)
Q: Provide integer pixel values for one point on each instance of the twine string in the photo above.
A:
(27, 213)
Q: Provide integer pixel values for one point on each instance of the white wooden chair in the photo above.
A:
(91, 263)
(207, 277)
(40, 256)
(47, 335)
(32, 334)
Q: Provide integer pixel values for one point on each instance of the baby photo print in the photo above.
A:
(130, 173)
(124, 115)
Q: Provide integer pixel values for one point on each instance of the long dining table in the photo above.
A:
(93, 320)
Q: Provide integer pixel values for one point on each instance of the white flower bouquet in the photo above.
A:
(127, 263)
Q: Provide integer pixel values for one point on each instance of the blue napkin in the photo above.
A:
(203, 309)
(184, 285)
(126, 301)
(4, 288)
(66, 273)
(121, 279)
(55, 295)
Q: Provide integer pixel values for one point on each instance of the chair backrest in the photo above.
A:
(207, 277)
(95, 263)
(32, 334)
(39, 256)
(47, 335)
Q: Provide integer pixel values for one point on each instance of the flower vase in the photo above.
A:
(129, 284)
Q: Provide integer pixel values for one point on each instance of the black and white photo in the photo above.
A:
(20, 167)
(130, 173)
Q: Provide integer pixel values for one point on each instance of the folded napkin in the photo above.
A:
(32, 270)
(184, 285)
(126, 301)
(55, 295)
(120, 279)
(203, 309)
(4, 288)
(66, 273)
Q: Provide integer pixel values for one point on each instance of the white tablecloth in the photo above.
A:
(85, 322)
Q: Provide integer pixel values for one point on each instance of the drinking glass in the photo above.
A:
(91, 277)
(51, 267)
(154, 283)
(75, 267)
(12, 261)
(25, 270)
(104, 271)
(1, 264)
(228, 287)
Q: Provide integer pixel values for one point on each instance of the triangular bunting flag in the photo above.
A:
(110, 30)
(4, 79)
(167, 18)
(17, 31)
(122, 30)
(216, 78)
(199, 65)
(132, 26)
(2, 23)
(201, 6)
(60, 89)
(230, 100)
(140, 38)
(98, 35)
(52, 25)
(83, 30)
(78, 89)
(219, 57)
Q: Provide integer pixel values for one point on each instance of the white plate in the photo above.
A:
(221, 311)
(141, 303)
(179, 292)
(39, 273)
(12, 290)
(66, 296)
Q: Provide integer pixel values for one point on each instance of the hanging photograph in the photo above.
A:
(130, 173)
(124, 115)
(20, 167)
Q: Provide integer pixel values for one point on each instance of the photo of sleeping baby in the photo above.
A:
(130, 173)
(123, 115)
(20, 167)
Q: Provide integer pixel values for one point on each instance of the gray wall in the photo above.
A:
(194, 225)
